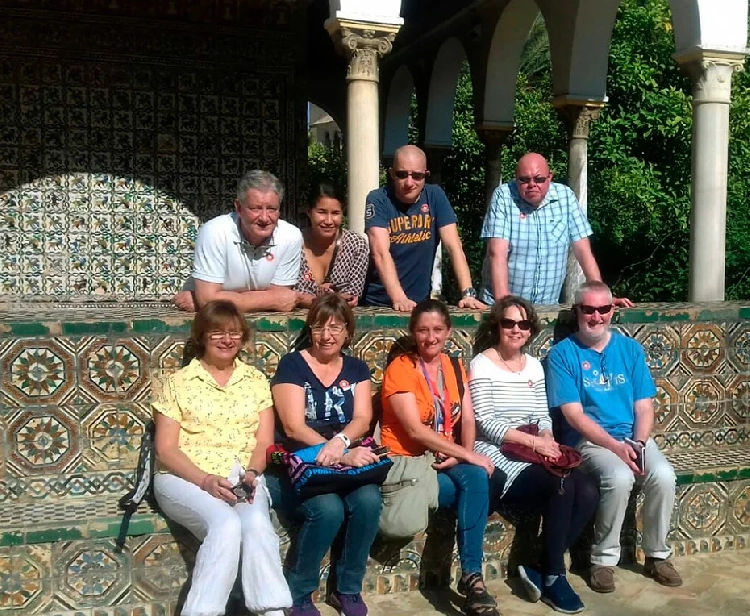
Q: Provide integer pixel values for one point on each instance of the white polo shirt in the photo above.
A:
(223, 255)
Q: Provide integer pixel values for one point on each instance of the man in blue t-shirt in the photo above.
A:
(405, 222)
(600, 381)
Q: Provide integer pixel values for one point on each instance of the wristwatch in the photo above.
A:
(347, 441)
(469, 292)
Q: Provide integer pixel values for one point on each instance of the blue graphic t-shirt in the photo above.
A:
(606, 384)
(327, 409)
(413, 231)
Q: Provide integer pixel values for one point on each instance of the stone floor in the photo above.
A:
(714, 584)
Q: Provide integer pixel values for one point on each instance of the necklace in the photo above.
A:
(507, 365)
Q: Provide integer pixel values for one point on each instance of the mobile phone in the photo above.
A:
(640, 450)
(243, 491)
(381, 451)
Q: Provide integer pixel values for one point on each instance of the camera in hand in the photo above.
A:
(243, 491)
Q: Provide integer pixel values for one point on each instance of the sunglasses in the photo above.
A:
(524, 324)
(221, 335)
(417, 176)
(586, 309)
(538, 179)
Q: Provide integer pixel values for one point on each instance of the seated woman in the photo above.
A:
(420, 407)
(334, 260)
(323, 396)
(507, 390)
(208, 415)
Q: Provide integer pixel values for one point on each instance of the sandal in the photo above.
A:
(478, 601)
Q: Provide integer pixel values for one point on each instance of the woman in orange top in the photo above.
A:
(422, 412)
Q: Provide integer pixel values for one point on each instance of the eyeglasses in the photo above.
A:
(524, 324)
(589, 310)
(221, 335)
(334, 330)
(417, 176)
(526, 179)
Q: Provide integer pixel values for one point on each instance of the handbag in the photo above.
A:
(409, 492)
(568, 460)
(310, 479)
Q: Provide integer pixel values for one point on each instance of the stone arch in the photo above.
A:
(442, 93)
(579, 47)
(697, 23)
(398, 111)
(504, 59)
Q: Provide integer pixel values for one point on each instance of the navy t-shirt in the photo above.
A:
(327, 409)
(413, 231)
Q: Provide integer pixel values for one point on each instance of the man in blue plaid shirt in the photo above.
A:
(529, 226)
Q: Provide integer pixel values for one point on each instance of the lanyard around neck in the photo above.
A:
(441, 398)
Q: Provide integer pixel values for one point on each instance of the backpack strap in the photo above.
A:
(143, 480)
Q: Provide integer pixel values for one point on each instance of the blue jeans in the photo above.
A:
(322, 518)
(465, 488)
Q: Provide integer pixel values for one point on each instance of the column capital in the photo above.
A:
(578, 117)
(363, 44)
(711, 72)
(494, 134)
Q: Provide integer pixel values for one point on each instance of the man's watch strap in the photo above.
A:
(469, 292)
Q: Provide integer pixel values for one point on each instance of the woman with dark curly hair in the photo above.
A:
(508, 390)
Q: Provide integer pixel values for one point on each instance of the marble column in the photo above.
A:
(364, 44)
(494, 137)
(711, 73)
(435, 156)
(577, 119)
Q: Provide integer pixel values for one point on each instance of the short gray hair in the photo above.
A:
(593, 285)
(259, 180)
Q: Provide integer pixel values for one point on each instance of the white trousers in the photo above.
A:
(616, 482)
(226, 533)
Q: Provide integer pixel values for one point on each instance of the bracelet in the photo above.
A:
(253, 471)
(344, 439)
(203, 481)
(533, 444)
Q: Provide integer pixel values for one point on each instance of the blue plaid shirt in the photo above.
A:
(539, 239)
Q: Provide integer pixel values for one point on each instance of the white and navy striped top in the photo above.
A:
(503, 400)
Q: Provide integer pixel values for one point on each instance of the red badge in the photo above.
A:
(269, 257)
(531, 383)
(344, 384)
(586, 365)
(523, 216)
(425, 208)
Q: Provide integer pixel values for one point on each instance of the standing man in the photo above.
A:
(601, 382)
(248, 256)
(529, 226)
(405, 223)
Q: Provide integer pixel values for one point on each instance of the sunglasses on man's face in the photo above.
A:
(589, 310)
(538, 179)
(523, 324)
(417, 176)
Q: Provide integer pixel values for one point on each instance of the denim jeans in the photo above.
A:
(465, 489)
(322, 518)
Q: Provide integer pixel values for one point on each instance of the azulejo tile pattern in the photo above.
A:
(117, 138)
(70, 448)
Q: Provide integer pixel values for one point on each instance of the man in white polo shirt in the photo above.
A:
(248, 256)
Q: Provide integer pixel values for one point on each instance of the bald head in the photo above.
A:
(533, 178)
(408, 161)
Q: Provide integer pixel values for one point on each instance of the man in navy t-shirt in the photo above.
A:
(405, 222)
(600, 381)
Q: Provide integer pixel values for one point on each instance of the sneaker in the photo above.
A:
(662, 571)
(561, 597)
(347, 605)
(304, 607)
(602, 578)
(532, 582)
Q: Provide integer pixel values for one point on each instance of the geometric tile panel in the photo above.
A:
(661, 346)
(113, 371)
(704, 348)
(93, 574)
(704, 399)
(39, 371)
(43, 443)
(112, 431)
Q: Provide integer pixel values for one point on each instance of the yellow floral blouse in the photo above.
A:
(217, 424)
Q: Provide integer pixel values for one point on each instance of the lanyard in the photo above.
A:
(442, 402)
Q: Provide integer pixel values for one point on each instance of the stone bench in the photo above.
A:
(74, 390)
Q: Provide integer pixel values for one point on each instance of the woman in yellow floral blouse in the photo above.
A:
(212, 417)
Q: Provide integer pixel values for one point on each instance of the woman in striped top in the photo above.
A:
(507, 391)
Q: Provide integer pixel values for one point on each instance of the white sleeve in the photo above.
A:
(490, 423)
(210, 261)
(287, 273)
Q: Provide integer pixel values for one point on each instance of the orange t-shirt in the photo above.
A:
(405, 375)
